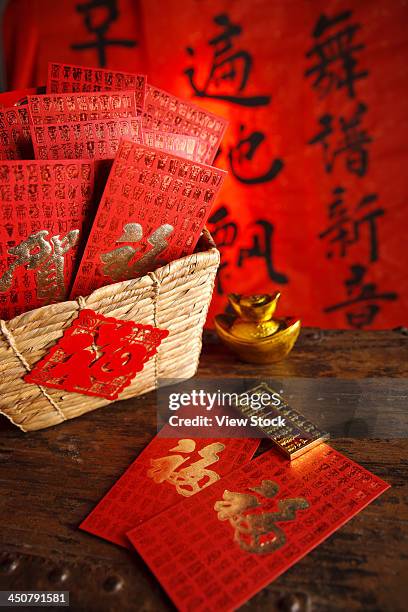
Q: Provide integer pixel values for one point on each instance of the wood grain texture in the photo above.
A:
(51, 479)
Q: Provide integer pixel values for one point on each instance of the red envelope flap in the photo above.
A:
(84, 140)
(15, 136)
(167, 113)
(84, 106)
(152, 211)
(215, 551)
(167, 472)
(179, 144)
(44, 206)
(63, 78)
(97, 355)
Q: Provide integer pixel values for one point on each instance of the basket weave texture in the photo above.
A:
(174, 297)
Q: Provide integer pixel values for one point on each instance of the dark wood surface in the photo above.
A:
(50, 480)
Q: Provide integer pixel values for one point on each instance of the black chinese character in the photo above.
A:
(335, 54)
(262, 247)
(353, 144)
(345, 230)
(245, 150)
(362, 308)
(225, 233)
(230, 70)
(99, 27)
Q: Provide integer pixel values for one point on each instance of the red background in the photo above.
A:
(277, 35)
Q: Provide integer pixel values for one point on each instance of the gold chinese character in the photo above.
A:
(118, 264)
(255, 531)
(188, 480)
(45, 256)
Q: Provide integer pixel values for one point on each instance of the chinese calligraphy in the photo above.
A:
(254, 525)
(91, 12)
(191, 478)
(335, 54)
(229, 67)
(97, 355)
(46, 257)
(117, 262)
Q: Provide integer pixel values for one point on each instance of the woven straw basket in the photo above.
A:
(175, 297)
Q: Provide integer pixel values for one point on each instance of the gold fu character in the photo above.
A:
(45, 256)
(118, 262)
(255, 531)
(188, 480)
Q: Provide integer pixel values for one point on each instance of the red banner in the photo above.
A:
(315, 201)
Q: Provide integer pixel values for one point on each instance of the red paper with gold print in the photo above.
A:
(167, 472)
(84, 106)
(152, 211)
(97, 355)
(63, 78)
(15, 136)
(251, 526)
(167, 113)
(84, 139)
(43, 208)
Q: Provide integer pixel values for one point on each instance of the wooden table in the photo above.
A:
(50, 480)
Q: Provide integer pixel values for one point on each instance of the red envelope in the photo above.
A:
(83, 140)
(179, 144)
(166, 113)
(63, 78)
(152, 211)
(215, 551)
(15, 136)
(97, 355)
(44, 206)
(167, 472)
(86, 106)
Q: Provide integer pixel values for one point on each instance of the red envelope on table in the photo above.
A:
(15, 136)
(216, 550)
(167, 472)
(44, 207)
(179, 144)
(83, 140)
(167, 113)
(85, 106)
(152, 211)
(63, 78)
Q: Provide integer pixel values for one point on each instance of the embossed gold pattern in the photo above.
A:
(255, 528)
(194, 477)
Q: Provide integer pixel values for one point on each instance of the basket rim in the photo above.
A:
(206, 247)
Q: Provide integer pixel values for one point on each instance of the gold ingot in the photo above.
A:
(252, 333)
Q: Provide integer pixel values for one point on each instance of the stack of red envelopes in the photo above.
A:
(121, 183)
(215, 526)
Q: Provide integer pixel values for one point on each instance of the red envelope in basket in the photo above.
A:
(43, 208)
(215, 551)
(152, 211)
(166, 113)
(86, 106)
(84, 140)
(97, 355)
(15, 136)
(63, 78)
(167, 472)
